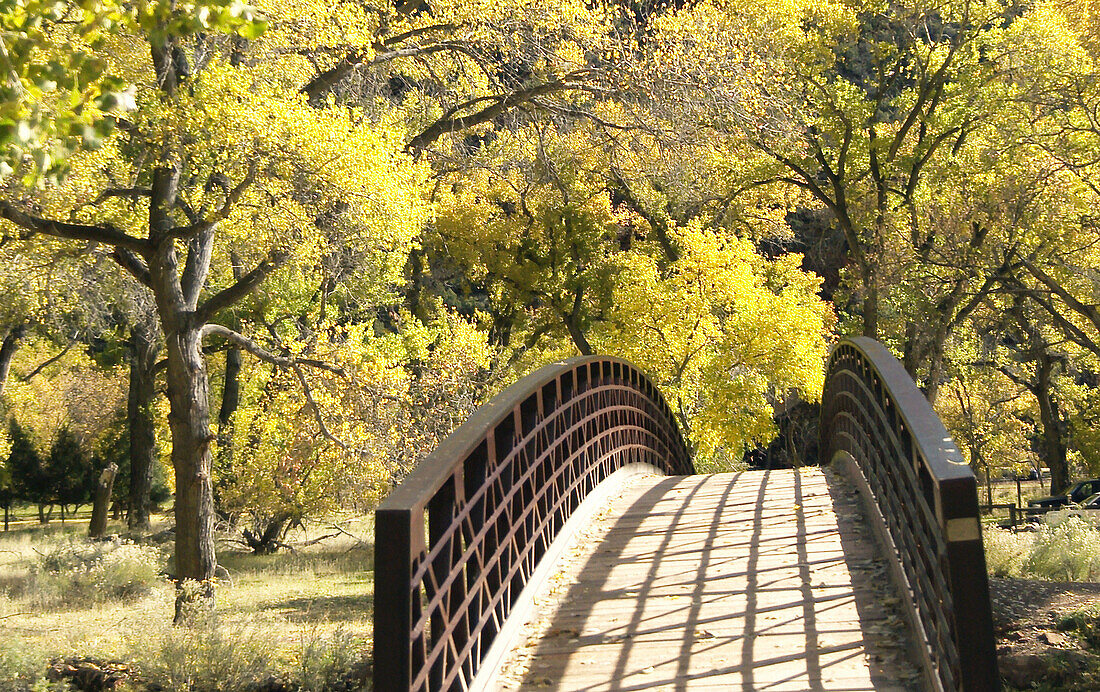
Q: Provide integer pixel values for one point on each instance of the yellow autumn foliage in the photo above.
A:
(725, 333)
(398, 395)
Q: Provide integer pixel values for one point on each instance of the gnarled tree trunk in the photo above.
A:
(98, 525)
(265, 540)
(1054, 439)
(176, 296)
(231, 401)
(189, 419)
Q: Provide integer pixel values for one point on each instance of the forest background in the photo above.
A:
(266, 257)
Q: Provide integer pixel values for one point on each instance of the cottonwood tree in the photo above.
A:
(535, 237)
(524, 231)
(220, 158)
(1056, 252)
(862, 110)
(726, 333)
(400, 394)
(465, 68)
(1024, 347)
(990, 417)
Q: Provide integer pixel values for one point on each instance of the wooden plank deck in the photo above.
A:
(761, 580)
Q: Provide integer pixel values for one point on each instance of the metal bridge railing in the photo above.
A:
(877, 423)
(456, 542)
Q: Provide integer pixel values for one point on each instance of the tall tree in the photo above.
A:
(71, 470)
(144, 346)
(219, 155)
(863, 108)
(29, 481)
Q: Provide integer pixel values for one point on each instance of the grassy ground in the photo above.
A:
(292, 615)
(1046, 603)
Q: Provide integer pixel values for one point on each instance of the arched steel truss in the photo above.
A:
(878, 426)
(457, 541)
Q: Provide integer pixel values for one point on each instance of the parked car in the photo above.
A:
(1090, 502)
(1088, 510)
(1080, 491)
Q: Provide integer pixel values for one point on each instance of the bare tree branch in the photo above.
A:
(126, 192)
(294, 364)
(657, 224)
(317, 409)
(242, 287)
(46, 363)
(456, 123)
(262, 353)
(223, 212)
(419, 31)
(322, 83)
(1089, 312)
(73, 231)
(133, 264)
(1071, 331)
(200, 250)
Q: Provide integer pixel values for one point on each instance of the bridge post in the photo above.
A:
(394, 621)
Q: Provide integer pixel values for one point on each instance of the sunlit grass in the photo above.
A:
(301, 616)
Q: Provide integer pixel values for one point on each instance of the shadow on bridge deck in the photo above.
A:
(763, 580)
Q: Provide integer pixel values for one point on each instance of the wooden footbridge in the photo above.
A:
(560, 539)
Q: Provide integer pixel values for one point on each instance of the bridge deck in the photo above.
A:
(756, 580)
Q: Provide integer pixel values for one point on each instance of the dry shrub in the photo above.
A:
(1064, 548)
(78, 572)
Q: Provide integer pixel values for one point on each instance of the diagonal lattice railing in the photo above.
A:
(878, 426)
(457, 541)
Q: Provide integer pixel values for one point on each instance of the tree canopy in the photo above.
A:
(320, 234)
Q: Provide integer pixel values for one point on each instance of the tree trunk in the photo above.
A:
(1053, 440)
(187, 384)
(98, 525)
(576, 334)
(189, 420)
(981, 463)
(266, 541)
(935, 373)
(231, 394)
(572, 324)
(7, 352)
(869, 296)
(231, 400)
(143, 442)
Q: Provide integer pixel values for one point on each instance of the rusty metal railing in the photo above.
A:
(875, 422)
(457, 541)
